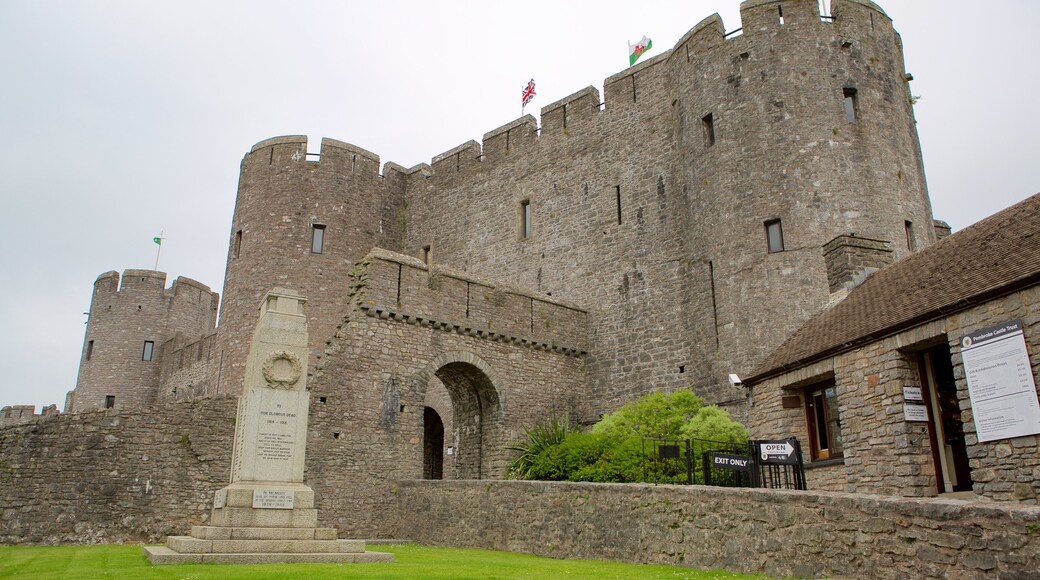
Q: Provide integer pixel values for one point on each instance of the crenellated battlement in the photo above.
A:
(20, 414)
(137, 283)
(389, 285)
(586, 113)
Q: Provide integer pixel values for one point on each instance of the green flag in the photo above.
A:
(157, 241)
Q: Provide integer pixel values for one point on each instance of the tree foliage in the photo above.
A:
(613, 449)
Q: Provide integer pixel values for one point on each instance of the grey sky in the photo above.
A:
(119, 119)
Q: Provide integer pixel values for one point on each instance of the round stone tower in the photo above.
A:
(128, 324)
(302, 220)
(796, 130)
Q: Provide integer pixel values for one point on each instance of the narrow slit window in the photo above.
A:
(525, 219)
(238, 243)
(90, 349)
(146, 353)
(774, 236)
(617, 192)
(780, 11)
(317, 238)
(709, 129)
(850, 104)
(426, 255)
(110, 401)
(911, 244)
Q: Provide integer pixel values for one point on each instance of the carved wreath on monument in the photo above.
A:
(282, 370)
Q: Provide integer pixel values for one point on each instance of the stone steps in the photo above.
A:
(190, 545)
(164, 555)
(223, 533)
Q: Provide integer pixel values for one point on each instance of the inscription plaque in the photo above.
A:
(273, 499)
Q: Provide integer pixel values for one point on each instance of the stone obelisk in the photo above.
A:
(267, 514)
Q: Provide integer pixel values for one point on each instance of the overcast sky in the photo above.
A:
(121, 119)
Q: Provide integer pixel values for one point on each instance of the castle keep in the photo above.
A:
(667, 233)
(686, 209)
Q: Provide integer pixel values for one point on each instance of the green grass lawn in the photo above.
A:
(412, 561)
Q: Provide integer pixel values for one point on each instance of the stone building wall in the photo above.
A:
(1007, 469)
(114, 475)
(773, 532)
(283, 192)
(189, 370)
(660, 234)
(123, 316)
(884, 453)
(500, 367)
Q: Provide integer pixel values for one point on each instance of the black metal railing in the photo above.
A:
(775, 464)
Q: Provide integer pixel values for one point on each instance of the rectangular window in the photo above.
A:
(911, 244)
(317, 238)
(146, 354)
(821, 413)
(237, 248)
(525, 219)
(90, 349)
(850, 104)
(110, 401)
(709, 128)
(774, 236)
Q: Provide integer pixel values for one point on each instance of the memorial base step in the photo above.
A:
(160, 555)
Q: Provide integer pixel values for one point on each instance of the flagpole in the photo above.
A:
(158, 250)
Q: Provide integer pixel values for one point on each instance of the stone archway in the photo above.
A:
(476, 416)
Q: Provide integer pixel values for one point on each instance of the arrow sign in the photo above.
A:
(777, 452)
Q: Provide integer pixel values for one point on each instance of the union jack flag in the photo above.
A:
(528, 93)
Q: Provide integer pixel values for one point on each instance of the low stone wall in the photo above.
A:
(112, 475)
(779, 533)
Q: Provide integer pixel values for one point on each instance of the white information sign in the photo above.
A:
(913, 412)
(1000, 382)
(912, 394)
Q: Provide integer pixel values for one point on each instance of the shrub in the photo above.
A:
(613, 451)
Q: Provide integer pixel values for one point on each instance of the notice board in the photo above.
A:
(1000, 382)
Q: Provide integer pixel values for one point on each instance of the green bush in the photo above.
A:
(614, 450)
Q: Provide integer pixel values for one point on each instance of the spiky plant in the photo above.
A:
(537, 439)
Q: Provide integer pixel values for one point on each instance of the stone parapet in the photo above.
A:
(774, 532)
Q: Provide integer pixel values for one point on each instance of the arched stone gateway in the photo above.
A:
(476, 412)
(433, 374)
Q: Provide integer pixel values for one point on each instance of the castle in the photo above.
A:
(718, 215)
(686, 211)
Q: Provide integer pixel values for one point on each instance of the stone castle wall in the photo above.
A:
(114, 475)
(190, 370)
(123, 316)
(773, 532)
(501, 368)
(19, 414)
(661, 234)
(283, 192)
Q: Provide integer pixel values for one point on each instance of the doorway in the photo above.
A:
(433, 445)
(945, 427)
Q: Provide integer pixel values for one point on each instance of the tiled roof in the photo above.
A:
(993, 257)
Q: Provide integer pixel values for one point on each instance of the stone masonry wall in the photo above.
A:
(773, 532)
(19, 414)
(123, 315)
(884, 454)
(1006, 469)
(189, 370)
(658, 230)
(114, 475)
(367, 411)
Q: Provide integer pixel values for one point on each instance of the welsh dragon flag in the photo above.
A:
(636, 50)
